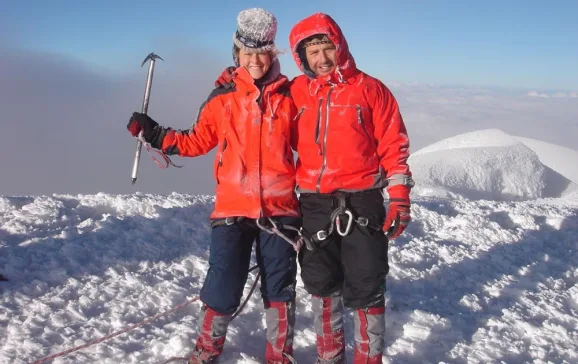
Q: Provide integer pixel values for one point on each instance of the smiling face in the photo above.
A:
(321, 55)
(256, 63)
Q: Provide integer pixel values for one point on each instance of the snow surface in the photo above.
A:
(472, 280)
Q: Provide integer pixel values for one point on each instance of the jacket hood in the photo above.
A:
(320, 23)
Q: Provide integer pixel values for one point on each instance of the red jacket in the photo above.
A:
(254, 167)
(351, 134)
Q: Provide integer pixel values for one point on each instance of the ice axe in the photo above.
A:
(145, 105)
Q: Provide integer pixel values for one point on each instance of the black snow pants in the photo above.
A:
(355, 264)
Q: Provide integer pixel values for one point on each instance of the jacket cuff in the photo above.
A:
(399, 194)
(168, 140)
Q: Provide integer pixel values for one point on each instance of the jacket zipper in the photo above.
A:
(318, 126)
(260, 102)
(324, 153)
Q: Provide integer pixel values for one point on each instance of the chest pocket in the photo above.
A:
(364, 121)
(356, 118)
(308, 122)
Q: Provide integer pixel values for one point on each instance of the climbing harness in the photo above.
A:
(336, 223)
(276, 229)
(267, 224)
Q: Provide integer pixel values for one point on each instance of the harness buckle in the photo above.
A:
(230, 220)
(321, 235)
(309, 244)
(362, 221)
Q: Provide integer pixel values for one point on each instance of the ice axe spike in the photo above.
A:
(145, 105)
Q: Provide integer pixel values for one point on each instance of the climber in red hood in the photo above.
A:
(352, 143)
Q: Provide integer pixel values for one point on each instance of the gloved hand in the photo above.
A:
(398, 213)
(142, 122)
(226, 78)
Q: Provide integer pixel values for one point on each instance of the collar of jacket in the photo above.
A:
(339, 76)
(317, 83)
(244, 81)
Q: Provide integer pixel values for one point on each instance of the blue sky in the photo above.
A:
(522, 44)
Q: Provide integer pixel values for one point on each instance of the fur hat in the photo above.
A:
(256, 31)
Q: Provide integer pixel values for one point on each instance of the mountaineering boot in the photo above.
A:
(212, 335)
(369, 335)
(280, 319)
(328, 323)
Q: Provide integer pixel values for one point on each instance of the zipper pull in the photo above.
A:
(299, 114)
(222, 152)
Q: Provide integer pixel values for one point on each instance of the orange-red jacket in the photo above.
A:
(254, 167)
(351, 134)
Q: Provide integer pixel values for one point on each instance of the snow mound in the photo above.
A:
(477, 139)
(561, 159)
(491, 165)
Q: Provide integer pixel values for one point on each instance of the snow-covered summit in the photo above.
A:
(490, 164)
(469, 282)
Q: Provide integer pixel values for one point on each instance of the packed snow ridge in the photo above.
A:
(492, 165)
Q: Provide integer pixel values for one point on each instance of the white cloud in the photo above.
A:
(64, 123)
(433, 113)
(537, 94)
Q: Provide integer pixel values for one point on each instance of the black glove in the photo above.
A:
(142, 122)
(153, 133)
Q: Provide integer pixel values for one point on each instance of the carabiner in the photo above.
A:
(349, 222)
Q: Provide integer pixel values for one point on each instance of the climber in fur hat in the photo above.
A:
(250, 126)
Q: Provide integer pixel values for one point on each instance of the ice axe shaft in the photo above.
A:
(145, 105)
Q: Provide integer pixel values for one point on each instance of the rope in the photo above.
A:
(176, 358)
(248, 296)
(165, 158)
(275, 230)
(180, 358)
(97, 341)
(144, 322)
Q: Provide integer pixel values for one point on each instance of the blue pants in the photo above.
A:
(230, 257)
